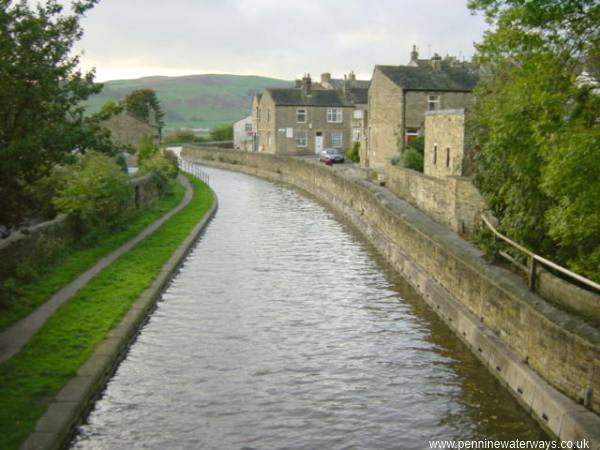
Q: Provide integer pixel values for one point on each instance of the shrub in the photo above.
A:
(146, 150)
(353, 153)
(121, 162)
(95, 193)
(222, 133)
(162, 168)
(412, 157)
(180, 136)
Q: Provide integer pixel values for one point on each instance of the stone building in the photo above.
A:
(445, 154)
(302, 120)
(243, 137)
(127, 130)
(399, 97)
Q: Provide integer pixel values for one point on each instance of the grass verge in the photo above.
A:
(30, 380)
(72, 261)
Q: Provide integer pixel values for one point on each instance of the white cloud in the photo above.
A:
(277, 38)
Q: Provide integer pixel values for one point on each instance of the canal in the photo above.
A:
(284, 329)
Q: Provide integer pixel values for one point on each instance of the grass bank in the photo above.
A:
(77, 258)
(30, 380)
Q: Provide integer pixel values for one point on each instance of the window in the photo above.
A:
(435, 154)
(357, 114)
(301, 139)
(447, 156)
(301, 115)
(356, 134)
(334, 115)
(433, 102)
(411, 134)
(336, 139)
(268, 115)
(269, 141)
(248, 127)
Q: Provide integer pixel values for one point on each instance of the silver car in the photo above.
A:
(333, 155)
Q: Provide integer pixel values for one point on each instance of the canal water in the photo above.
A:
(285, 330)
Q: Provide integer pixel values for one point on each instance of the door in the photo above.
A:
(318, 142)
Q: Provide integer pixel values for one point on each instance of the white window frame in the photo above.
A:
(335, 115)
(299, 112)
(410, 132)
(301, 139)
(356, 134)
(358, 114)
(433, 102)
(341, 139)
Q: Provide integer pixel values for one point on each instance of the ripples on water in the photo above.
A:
(284, 330)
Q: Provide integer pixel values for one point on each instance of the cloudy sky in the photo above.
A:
(277, 38)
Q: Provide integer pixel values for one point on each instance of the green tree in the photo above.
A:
(222, 133)
(41, 90)
(535, 124)
(146, 150)
(95, 192)
(353, 153)
(144, 104)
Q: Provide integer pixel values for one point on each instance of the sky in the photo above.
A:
(284, 39)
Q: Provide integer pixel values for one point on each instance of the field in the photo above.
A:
(193, 101)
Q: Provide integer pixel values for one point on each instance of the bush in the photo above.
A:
(180, 136)
(353, 153)
(412, 157)
(162, 168)
(122, 162)
(222, 133)
(96, 192)
(146, 150)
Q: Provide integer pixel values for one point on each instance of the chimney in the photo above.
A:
(298, 83)
(414, 55)
(306, 84)
(436, 62)
(325, 79)
(352, 76)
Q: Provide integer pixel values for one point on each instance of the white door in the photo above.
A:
(318, 142)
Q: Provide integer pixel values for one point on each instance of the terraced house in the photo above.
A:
(309, 117)
(399, 97)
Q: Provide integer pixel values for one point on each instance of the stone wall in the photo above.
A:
(548, 359)
(452, 201)
(33, 245)
(444, 143)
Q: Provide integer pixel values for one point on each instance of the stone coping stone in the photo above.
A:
(73, 402)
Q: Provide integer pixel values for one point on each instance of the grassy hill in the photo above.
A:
(193, 101)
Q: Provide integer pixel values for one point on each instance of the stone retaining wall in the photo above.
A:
(549, 359)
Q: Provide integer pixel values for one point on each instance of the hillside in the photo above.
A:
(193, 101)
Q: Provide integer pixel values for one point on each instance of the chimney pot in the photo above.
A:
(325, 78)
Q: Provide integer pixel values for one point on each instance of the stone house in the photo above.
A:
(243, 134)
(399, 97)
(302, 120)
(356, 93)
(127, 130)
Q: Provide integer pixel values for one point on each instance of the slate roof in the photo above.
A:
(317, 97)
(338, 83)
(427, 79)
(358, 95)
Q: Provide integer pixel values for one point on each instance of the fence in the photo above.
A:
(193, 169)
(533, 260)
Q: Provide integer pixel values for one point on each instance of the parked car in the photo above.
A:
(333, 155)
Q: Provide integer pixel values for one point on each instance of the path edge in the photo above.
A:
(74, 401)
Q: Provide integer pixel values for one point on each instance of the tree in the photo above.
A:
(144, 104)
(41, 89)
(222, 133)
(95, 192)
(536, 126)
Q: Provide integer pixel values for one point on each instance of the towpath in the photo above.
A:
(15, 337)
